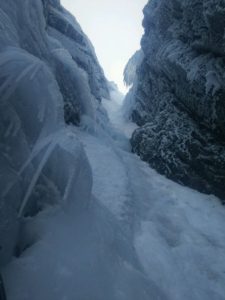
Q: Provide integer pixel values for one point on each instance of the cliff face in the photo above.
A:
(179, 93)
(49, 75)
(130, 70)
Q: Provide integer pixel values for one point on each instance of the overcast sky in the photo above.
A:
(114, 27)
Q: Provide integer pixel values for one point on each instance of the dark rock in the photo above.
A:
(2, 289)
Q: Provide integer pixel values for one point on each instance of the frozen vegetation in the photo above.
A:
(81, 217)
(178, 96)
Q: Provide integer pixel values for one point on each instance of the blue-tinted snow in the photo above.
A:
(110, 227)
(141, 237)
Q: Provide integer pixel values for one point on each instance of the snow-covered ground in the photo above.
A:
(141, 237)
(116, 116)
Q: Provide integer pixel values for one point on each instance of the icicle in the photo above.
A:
(35, 178)
(69, 184)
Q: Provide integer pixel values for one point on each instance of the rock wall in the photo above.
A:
(130, 70)
(179, 94)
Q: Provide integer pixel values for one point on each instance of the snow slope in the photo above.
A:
(141, 236)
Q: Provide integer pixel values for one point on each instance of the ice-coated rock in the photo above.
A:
(49, 75)
(179, 93)
(130, 71)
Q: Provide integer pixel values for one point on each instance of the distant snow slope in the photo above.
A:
(141, 237)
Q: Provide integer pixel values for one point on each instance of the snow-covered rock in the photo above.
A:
(178, 97)
(62, 26)
(49, 75)
(130, 71)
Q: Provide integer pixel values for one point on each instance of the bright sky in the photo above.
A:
(114, 27)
